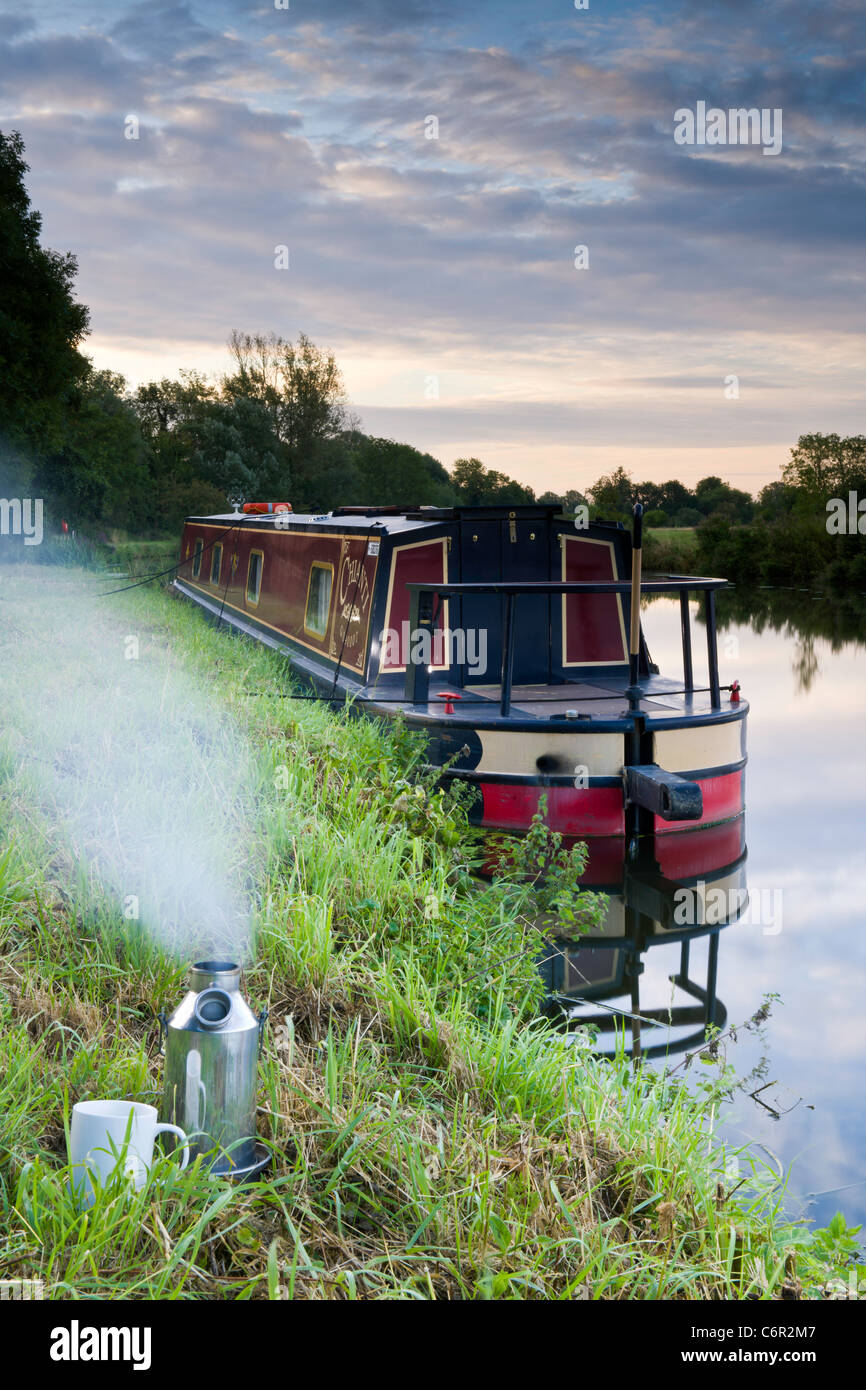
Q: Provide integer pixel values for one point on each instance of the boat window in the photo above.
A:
(319, 599)
(254, 576)
(196, 560)
(216, 564)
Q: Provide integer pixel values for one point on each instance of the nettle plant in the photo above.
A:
(541, 865)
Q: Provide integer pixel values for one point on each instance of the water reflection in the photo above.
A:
(801, 661)
(803, 617)
(675, 890)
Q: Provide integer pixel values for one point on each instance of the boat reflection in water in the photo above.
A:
(670, 891)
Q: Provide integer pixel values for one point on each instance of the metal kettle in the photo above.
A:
(212, 1045)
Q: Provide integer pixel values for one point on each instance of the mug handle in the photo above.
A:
(175, 1129)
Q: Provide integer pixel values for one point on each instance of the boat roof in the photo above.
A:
(288, 520)
(396, 518)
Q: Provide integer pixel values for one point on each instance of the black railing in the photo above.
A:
(422, 617)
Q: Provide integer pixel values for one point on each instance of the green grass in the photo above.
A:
(684, 533)
(145, 557)
(669, 548)
(431, 1137)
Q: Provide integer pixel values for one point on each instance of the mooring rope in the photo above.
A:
(149, 578)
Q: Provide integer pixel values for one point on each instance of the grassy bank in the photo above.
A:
(145, 557)
(793, 549)
(670, 548)
(430, 1138)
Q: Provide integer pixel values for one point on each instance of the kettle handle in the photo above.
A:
(162, 1020)
(263, 1018)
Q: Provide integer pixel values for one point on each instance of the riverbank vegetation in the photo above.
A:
(808, 529)
(432, 1136)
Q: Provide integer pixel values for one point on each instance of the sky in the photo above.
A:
(718, 312)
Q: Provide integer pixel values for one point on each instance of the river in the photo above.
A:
(801, 663)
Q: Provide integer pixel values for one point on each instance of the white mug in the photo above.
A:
(114, 1138)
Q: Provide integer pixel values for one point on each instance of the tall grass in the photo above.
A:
(670, 549)
(431, 1137)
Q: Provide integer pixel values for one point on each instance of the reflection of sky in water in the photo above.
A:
(805, 836)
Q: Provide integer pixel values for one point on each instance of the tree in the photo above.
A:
(502, 489)
(168, 407)
(469, 477)
(41, 325)
(476, 485)
(236, 450)
(392, 472)
(673, 495)
(98, 472)
(299, 384)
(613, 495)
(330, 478)
(651, 497)
(169, 415)
(714, 497)
(827, 465)
(776, 500)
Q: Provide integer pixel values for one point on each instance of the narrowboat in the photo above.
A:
(511, 636)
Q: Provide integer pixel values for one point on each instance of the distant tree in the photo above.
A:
(476, 485)
(236, 450)
(300, 385)
(675, 495)
(714, 497)
(776, 500)
(169, 415)
(206, 442)
(41, 325)
(392, 472)
(827, 465)
(257, 374)
(469, 477)
(329, 477)
(166, 408)
(613, 495)
(98, 472)
(651, 497)
(500, 488)
(656, 517)
(573, 499)
(688, 516)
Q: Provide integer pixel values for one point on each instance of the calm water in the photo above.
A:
(802, 665)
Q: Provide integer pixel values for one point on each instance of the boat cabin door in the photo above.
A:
(512, 549)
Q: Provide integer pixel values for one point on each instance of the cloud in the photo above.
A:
(307, 127)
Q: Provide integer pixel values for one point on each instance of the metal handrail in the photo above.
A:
(421, 616)
(670, 584)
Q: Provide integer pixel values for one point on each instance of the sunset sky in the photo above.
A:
(441, 271)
